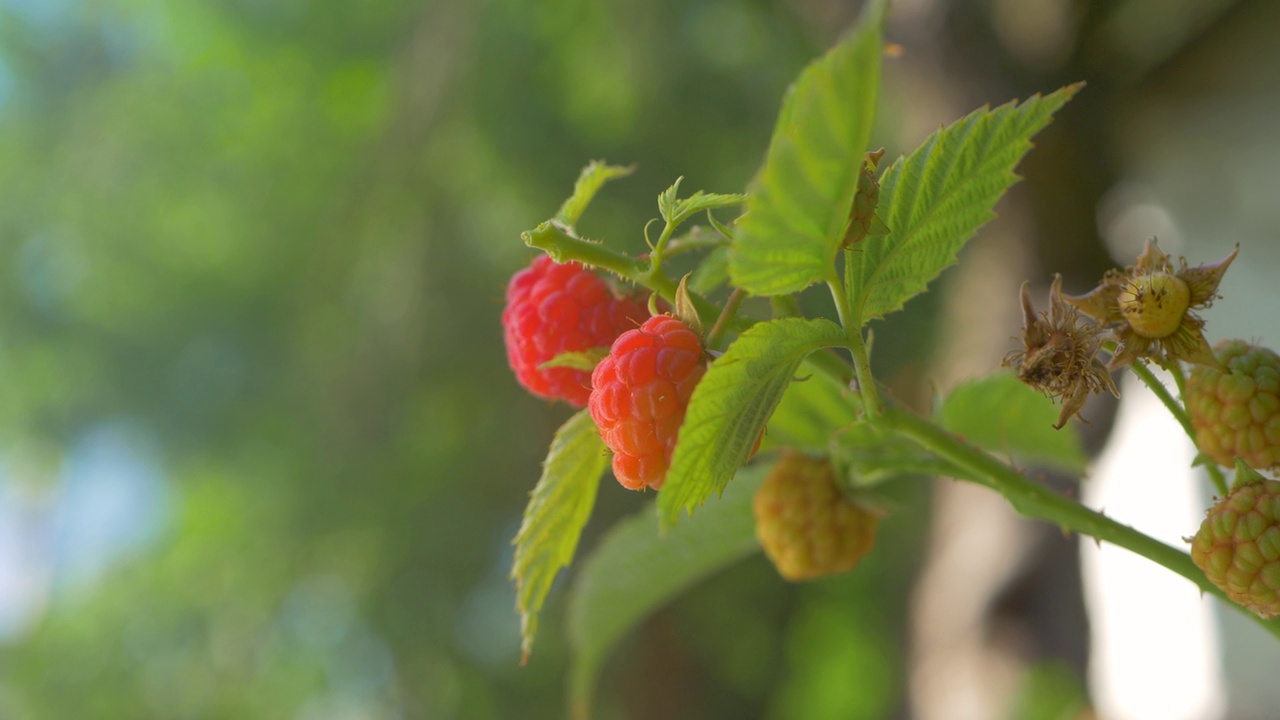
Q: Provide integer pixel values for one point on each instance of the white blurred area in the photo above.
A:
(1155, 641)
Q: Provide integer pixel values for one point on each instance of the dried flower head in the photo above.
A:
(1149, 307)
(1059, 354)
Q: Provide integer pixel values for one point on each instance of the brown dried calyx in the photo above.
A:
(1059, 354)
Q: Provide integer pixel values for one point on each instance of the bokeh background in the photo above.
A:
(260, 452)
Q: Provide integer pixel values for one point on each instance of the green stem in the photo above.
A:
(1180, 414)
(726, 316)
(1175, 408)
(1037, 501)
(857, 349)
(563, 247)
(655, 257)
(1179, 378)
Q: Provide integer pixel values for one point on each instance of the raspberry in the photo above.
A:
(807, 526)
(1238, 545)
(639, 396)
(1238, 414)
(557, 308)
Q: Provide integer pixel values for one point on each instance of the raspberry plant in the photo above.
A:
(681, 410)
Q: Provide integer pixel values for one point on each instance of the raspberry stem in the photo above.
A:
(726, 316)
(1179, 412)
(857, 348)
(1036, 501)
(1175, 408)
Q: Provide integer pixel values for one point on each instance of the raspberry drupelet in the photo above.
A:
(639, 396)
(556, 308)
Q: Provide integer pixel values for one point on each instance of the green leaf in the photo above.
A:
(731, 405)
(585, 360)
(558, 509)
(675, 211)
(636, 569)
(592, 178)
(798, 204)
(936, 199)
(1005, 417)
(813, 407)
(712, 272)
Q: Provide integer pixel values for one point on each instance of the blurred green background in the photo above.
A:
(260, 452)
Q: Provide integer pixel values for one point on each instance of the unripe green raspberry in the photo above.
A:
(807, 526)
(1238, 414)
(1238, 545)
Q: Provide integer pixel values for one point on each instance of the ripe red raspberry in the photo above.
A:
(1237, 414)
(806, 524)
(1238, 545)
(639, 396)
(556, 308)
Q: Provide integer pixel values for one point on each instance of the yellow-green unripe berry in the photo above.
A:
(1238, 545)
(1155, 304)
(1237, 414)
(806, 525)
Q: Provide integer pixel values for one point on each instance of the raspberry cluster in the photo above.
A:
(639, 396)
(557, 308)
(1237, 414)
(807, 526)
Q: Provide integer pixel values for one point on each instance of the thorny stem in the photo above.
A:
(1179, 413)
(1037, 501)
(564, 247)
(1179, 378)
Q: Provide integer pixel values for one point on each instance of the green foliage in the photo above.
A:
(637, 569)
(592, 178)
(1005, 417)
(798, 204)
(813, 405)
(675, 211)
(1050, 691)
(935, 200)
(712, 272)
(731, 405)
(585, 360)
(558, 509)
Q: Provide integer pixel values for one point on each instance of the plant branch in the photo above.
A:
(1037, 501)
(726, 316)
(857, 348)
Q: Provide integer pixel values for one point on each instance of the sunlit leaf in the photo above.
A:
(813, 406)
(592, 178)
(934, 200)
(558, 509)
(731, 405)
(798, 204)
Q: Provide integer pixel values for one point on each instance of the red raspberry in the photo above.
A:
(639, 396)
(557, 308)
(806, 525)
